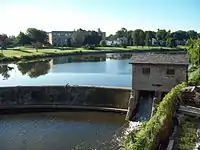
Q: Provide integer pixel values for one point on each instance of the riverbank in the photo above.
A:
(22, 53)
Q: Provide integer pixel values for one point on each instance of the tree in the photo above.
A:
(37, 35)
(142, 38)
(194, 51)
(180, 35)
(136, 38)
(192, 34)
(148, 39)
(23, 39)
(129, 38)
(78, 37)
(3, 42)
(92, 38)
(161, 36)
(103, 43)
(122, 33)
(171, 42)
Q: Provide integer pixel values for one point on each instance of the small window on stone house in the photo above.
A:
(146, 70)
(170, 72)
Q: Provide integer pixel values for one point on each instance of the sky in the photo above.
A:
(108, 15)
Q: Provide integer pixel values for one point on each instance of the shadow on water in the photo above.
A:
(5, 71)
(35, 69)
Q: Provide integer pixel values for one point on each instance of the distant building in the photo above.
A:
(154, 42)
(102, 34)
(117, 42)
(59, 38)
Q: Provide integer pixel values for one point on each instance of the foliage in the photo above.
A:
(147, 137)
(171, 42)
(37, 35)
(192, 34)
(89, 47)
(188, 136)
(194, 77)
(102, 43)
(193, 51)
(148, 38)
(23, 39)
(3, 41)
(138, 37)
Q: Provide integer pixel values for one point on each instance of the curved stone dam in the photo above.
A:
(68, 117)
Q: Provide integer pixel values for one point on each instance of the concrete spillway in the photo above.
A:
(144, 107)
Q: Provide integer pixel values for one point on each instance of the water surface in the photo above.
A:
(103, 70)
(58, 131)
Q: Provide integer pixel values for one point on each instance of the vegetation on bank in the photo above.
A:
(188, 135)
(158, 126)
(20, 53)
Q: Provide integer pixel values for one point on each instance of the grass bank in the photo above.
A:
(25, 53)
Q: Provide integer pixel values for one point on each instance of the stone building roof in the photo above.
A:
(160, 58)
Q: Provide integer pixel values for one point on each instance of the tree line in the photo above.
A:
(161, 37)
(37, 38)
(81, 37)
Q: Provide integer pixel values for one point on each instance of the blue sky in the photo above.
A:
(109, 15)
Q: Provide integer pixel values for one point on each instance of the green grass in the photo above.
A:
(19, 53)
(188, 135)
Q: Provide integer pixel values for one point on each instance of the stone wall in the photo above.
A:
(65, 95)
(157, 76)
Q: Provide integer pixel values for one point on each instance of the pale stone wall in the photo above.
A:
(157, 76)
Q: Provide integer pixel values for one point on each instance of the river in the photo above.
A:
(65, 130)
(98, 70)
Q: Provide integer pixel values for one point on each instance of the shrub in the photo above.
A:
(102, 43)
(89, 47)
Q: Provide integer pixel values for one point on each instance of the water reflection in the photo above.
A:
(94, 70)
(35, 69)
(4, 71)
(81, 58)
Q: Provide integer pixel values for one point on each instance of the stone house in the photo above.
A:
(155, 74)
(158, 72)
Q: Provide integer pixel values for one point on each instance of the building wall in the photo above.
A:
(157, 75)
(50, 38)
(60, 38)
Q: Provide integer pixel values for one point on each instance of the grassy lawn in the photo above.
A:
(18, 53)
(22, 51)
(134, 47)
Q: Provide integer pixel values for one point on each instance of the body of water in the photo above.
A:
(67, 130)
(99, 71)
(58, 131)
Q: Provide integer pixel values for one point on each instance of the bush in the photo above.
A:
(102, 43)
(89, 47)
(124, 45)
